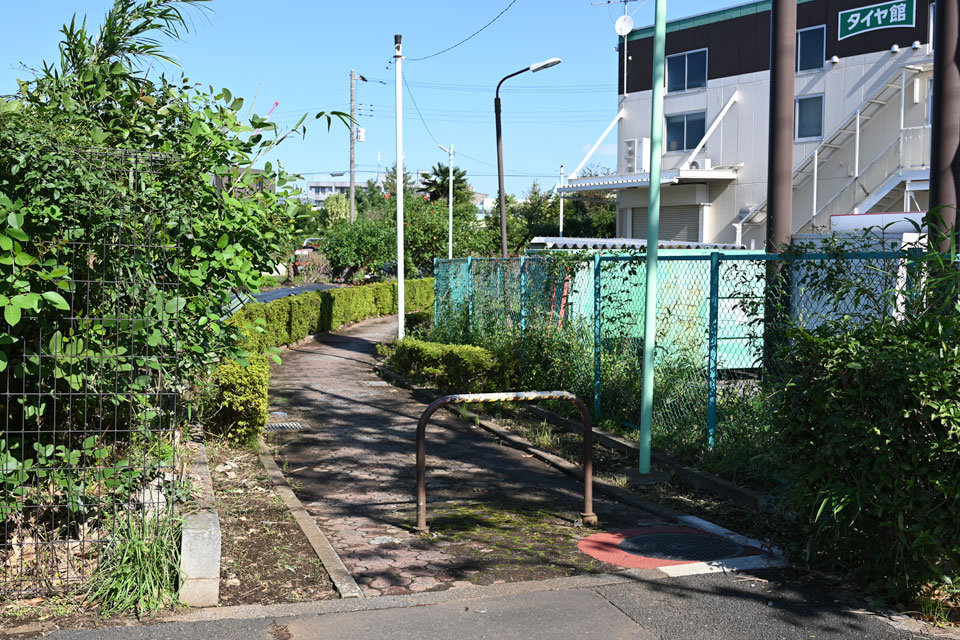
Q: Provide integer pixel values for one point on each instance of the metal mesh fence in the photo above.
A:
(90, 391)
(577, 323)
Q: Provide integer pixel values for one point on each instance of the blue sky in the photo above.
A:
(300, 52)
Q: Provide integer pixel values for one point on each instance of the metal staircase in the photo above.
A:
(839, 177)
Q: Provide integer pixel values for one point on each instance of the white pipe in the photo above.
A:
(401, 302)
(596, 145)
(813, 205)
(713, 127)
(561, 202)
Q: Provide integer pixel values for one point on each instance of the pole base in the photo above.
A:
(654, 477)
(588, 519)
(421, 531)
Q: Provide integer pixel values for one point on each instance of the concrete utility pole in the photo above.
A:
(401, 298)
(945, 126)
(353, 145)
(783, 52)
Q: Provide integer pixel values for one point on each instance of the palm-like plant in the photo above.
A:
(436, 184)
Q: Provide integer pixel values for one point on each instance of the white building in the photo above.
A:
(861, 125)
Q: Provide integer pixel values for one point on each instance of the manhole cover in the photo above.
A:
(283, 426)
(689, 547)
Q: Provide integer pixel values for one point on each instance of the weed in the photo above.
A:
(140, 567)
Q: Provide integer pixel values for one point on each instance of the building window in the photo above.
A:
(811, 50)
(809, 117)
(685, 130)
(687, 71)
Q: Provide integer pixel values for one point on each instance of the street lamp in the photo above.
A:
(450, 201)
(536, 66)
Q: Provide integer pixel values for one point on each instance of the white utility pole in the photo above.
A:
(561, 201)
(401, 302)
(450, 201)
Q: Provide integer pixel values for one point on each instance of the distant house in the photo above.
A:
(861, 119)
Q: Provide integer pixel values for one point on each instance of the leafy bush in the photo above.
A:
(294, 318)
(871, 423)
(241, 399)
(451, 367)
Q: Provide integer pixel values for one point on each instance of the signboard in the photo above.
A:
(885, 15)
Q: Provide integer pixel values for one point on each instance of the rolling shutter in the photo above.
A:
(677, 222)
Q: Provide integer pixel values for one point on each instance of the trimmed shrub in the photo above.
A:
(451, 367)
(870, 420)
(241, 399)
(294, 318)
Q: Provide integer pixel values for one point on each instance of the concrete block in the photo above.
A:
(200, 559)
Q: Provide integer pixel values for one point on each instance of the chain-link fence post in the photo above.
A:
(712, 348)
(469, 293)
(523, 295)
(597, 373)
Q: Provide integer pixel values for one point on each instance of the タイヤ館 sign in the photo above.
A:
(899, 13)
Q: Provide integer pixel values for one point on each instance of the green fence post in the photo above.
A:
(596, 337)
(653, 236)
(523, 295)
(712, 354)
(436, 289)
(469, 293)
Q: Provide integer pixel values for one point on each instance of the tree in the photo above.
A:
(390, 181)
(436, 184)
(336, 207)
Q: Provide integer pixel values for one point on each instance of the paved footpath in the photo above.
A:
(353, 468)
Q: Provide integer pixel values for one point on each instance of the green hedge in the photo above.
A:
(241, 399)
(451, 367)
(296, 317)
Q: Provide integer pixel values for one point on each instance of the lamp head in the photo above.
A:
(445, 150)
(546, 64)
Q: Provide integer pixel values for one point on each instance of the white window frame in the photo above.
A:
(823, 56)
(683, 149)
(706, 71)
(796, 116)
(931, 26)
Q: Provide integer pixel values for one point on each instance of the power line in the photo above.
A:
(433, 55)
(414, 100)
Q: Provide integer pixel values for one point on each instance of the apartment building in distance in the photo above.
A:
(861, 119)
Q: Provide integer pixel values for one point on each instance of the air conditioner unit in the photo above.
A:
(636, 156)
(701, 163)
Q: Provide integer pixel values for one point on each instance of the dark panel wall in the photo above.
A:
(742, 45)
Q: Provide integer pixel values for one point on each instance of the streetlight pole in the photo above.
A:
(536, 66)
(449, 201)
(401, 302)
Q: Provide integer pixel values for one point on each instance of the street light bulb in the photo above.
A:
(546, 64)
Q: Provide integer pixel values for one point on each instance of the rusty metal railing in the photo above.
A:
(588, 517)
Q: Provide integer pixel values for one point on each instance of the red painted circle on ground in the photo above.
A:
(606, 547)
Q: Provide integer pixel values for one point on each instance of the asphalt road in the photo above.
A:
(283, 292)
(767, 605)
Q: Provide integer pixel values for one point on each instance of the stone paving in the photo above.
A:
(496, 514)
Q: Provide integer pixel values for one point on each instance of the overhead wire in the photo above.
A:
(434, 55)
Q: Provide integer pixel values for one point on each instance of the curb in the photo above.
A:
(695, 477)
(201, 539)
(343, 581)
(602, 486)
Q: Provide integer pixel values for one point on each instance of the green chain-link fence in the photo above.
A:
(576, 320)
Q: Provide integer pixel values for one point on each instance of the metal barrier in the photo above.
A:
(588, 517)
